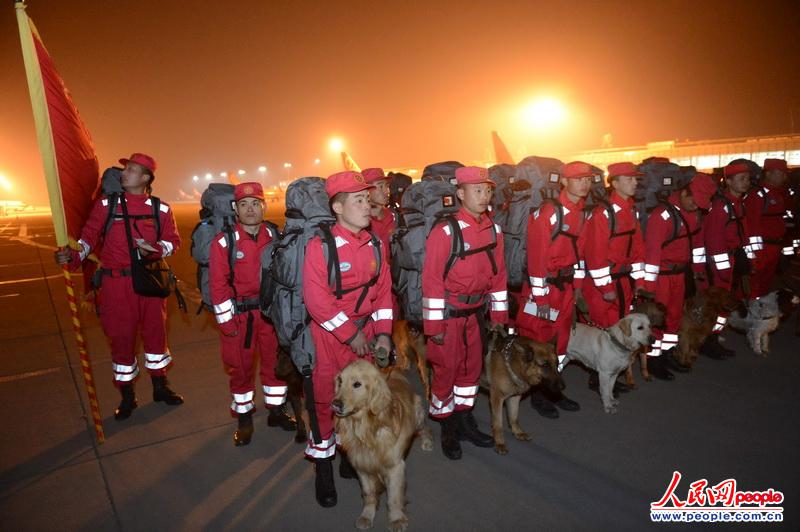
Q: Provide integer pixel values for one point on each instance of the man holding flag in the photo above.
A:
(123, 312)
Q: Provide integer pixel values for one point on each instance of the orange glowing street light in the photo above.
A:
(336, 144)
(544, 113)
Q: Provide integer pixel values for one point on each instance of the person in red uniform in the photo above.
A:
(765, 210)
(674, 249)
(243, 330)
(123, 313)
(347, 328)
(454, 305)
(615, 260)
(382, 222)
(727, 247)
(555, 274)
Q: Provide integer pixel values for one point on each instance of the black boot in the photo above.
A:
(468, 430)
(712, 348)
(162, 392)
(656, 367)
(279, 418)
(561, 401)
(244, 433)
(128, 403)
(346, 469)
(323, 483)
(672, 362)
(450, 444)
(543, 405)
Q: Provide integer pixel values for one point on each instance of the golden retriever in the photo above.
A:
(377, 417)
(511, 366)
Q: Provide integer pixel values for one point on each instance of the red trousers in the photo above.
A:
(240, 363)
(124, 315)
(606, 313)
(332, 357)
(543, 330)
(670, 291)
(456, 366)
(764, 266)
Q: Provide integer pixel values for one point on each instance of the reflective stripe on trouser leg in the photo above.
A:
(242, 402)
(274, 395)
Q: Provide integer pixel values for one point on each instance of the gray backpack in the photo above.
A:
(661, 178)
(216, 216)
(535, 180)
(307, 215)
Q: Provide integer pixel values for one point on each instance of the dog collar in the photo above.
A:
(617, 342)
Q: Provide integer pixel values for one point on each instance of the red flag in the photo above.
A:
(70, 163)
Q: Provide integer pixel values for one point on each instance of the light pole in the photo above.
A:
(263, 171)
(288, 168)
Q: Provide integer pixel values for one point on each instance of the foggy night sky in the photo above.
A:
(215, 86)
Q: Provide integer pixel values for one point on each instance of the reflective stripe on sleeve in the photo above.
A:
(335, 322)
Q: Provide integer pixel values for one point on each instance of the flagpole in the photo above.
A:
(44, 136)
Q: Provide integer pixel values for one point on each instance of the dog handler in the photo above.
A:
(613, 249)
(454, 305)
(124, 313)
(674, 248)
(343, 329)
(234, 295)
(727, 248)
(555, 274)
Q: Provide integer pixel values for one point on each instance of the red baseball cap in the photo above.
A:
(140, 158)
(248, 190)
(472, 175)
(703, 186)
(775, 164)
(373, 174)
(736, 168)
(345, 182)
(577, 170)
(626, 168)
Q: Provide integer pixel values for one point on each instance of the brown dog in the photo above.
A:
(409, 344)
(512, 365)
(699, 316)
(377, 417)
(287, 372)
(657, 314)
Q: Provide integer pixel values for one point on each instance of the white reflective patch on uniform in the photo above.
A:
(616, 207)
(498, 228)
(340, 241)
(335, 322)
(430, 302)
(446, 229)
(274, 395)
(157, 360)
(345, 266)
(665, 215)
(553, 219)
(163, 207)
(223, 242)
(462, 224)
(382, 314)
(104, 202)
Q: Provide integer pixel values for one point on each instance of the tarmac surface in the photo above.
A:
(175, 468)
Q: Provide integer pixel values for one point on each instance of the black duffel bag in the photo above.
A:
(151, 278)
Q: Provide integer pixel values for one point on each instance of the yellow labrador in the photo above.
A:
(608, 352)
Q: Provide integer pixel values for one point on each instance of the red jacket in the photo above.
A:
(246, 270)
(358, 266)
(384, 228)
(765, 210)
(664, 248)
(725, 232)
(471, 276)
(547, 255)
(114, 252)
(605, 254)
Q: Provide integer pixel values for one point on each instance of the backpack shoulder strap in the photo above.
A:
(113, 201)
(156, 201)
(559, 212)
(456, 243)
(330, 252)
